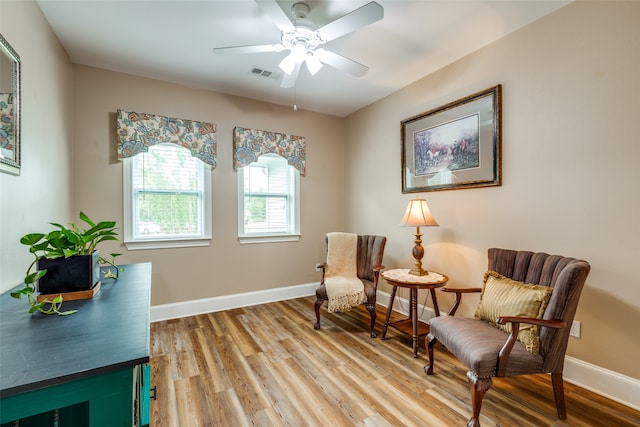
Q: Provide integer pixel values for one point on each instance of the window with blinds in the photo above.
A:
(168, 195)
(268, 198)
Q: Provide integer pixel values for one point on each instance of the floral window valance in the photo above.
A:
(138, 131)
(249, 144)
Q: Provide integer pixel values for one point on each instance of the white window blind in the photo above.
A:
(268, 190)
(168, 196)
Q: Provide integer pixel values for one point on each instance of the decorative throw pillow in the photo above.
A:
(502, 296)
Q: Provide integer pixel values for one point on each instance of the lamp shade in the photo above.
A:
(418, 214)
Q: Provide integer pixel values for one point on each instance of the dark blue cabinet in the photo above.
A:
(87, 369)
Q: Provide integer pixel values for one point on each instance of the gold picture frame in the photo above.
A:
(455, 146)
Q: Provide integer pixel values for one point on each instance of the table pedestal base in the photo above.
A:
(398, 278)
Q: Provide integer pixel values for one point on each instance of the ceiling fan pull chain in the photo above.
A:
(295, 97)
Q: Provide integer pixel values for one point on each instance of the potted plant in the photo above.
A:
(65, 260)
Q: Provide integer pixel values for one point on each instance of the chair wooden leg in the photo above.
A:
(316, 307)
(479, 387)
(558, 394)
(371, 308)
(429, 342)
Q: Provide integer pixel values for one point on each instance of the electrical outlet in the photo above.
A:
(575, 329)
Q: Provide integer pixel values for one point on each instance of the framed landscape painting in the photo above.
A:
(454, 146)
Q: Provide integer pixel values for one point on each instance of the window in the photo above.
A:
(268, 201)
(167, 199)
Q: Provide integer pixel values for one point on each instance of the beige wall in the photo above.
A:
(571, 91)
(570, 86)
(42, 191)
(225, 267)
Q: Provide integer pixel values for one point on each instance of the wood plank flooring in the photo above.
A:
(266, 366)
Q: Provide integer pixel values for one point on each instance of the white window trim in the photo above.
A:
(244, 238)
(162, 242)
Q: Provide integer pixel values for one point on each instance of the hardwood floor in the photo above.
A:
(266, 366)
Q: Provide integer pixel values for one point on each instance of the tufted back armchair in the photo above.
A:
(488, 351)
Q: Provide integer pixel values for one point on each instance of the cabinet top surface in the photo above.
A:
(109, 332)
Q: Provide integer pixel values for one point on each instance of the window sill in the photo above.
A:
(167, 243)
(269, 238)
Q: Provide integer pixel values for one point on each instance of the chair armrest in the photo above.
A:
(505, 351)
(461, 290)
(376, 275)
(321, 267)
(551, 323)
(458, 292)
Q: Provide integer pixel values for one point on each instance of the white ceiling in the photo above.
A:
(173, 40)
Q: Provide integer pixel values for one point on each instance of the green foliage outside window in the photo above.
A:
(168, 193)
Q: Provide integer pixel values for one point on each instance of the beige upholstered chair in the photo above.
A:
(488, 351)
(369, 264)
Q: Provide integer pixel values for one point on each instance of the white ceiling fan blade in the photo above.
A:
(238, 50)
(289, 80)
(277, 15)
(342, 63)
(365, 15)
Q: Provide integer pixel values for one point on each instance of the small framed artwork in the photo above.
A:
(454, 146)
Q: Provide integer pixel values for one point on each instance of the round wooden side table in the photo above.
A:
(402, 278)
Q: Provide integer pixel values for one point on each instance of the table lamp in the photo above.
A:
(418, 215)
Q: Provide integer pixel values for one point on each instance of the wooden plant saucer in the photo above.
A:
(72, 296)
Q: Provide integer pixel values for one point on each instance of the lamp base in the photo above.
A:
(418, 271)
(418, 253)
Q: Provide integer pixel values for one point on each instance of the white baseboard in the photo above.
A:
(210, 305)
(610, 384)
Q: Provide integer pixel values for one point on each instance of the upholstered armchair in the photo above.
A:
(536, 321)
(368, 259)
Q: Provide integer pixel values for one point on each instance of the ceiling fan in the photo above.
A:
(303, 39)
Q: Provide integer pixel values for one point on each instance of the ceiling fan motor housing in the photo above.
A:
(305, 30)
(301, 36)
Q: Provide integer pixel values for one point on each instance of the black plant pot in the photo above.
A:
(76, 273)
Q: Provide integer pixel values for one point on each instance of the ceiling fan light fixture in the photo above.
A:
(287, 64)
(313, 63)
(296, 56)
(299, 53)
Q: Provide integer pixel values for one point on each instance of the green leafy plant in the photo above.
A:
(64, 242)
